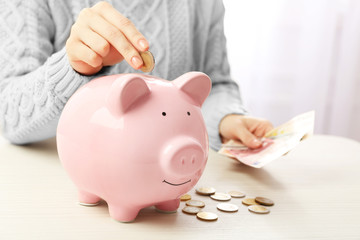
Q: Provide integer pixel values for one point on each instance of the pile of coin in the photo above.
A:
(195, 207)
(254, 204)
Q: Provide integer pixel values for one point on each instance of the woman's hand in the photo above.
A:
(101, 36)
(245, 129)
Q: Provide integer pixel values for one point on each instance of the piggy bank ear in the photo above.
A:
(125, 91)
(195, 84)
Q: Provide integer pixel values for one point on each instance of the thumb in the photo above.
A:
(247, 138)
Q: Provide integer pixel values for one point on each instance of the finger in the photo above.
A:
(94, 41)
(113, 58)
(269, 128)
(85, 68)
(116, 38)
(259, 132)
(263, 130)
(247, 138)
(84, 54)
(111, 15)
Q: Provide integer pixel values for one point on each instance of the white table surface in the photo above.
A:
(316, 190)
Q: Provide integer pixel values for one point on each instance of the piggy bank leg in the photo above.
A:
(123, 214)
(168, 206)
(88, 199)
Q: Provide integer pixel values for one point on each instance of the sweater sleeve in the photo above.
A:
(225, 96)
(35, 81)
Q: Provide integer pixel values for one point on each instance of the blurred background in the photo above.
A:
(292, 56)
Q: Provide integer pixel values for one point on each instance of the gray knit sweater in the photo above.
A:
(36, 79)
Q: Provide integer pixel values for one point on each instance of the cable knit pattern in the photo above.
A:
(179, 60)
(36, 79)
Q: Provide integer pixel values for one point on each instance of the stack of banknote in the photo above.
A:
(276, 143)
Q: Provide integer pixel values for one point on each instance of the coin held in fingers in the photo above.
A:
(149, 61)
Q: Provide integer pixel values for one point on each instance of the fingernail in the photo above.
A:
(256, 142)
(136, 61)
(143, 44)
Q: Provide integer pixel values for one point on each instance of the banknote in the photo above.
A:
(275, 143)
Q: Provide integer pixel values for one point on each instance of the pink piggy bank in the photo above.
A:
(135, 141)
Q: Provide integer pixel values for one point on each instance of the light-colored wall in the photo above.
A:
(291, 56)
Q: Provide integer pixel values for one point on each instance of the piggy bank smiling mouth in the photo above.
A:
(173, 184)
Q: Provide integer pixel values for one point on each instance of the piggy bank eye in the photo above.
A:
(188, 113)
(164, 113)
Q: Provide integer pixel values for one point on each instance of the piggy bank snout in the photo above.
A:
(183, 156)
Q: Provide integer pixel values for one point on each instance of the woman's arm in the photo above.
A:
(35, 81)
(224, 98)
(223, 110)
